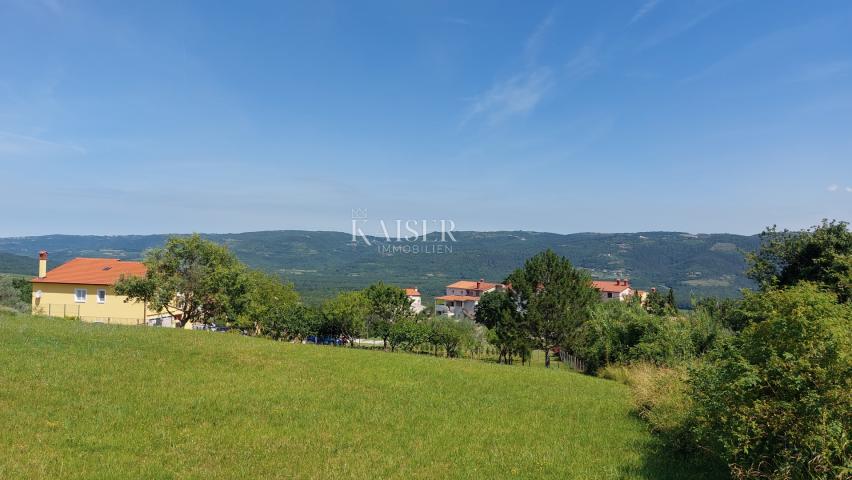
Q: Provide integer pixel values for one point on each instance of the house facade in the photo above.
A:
(618, 289)
(84, 288)
(413, 294)
(462, 297)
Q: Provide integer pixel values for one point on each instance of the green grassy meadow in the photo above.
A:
(96, 401)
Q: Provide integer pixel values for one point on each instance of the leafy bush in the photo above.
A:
(407, 334)
(822, 254)
(774, 401)
(10, 295)
(453, 335)
(622, 332)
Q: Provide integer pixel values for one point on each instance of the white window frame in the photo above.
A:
(101, 295)
(78, 298)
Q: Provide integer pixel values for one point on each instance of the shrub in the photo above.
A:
(453, 335)
(664, 341)
(620, 332)
(10, 295)
(774, 402)
(407, 334)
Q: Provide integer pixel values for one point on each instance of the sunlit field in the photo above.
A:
(95, 401)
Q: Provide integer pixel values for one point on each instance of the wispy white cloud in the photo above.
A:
(848, 189)
(645, 9)
(521, 93)
(518, 95)
(832, 188)
(536, 39)
(822, 71)
(15, 144)
(585, 61)
(775, 44)
(677, 28)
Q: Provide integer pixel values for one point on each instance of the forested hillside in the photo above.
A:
(10, 263)
(322, 263)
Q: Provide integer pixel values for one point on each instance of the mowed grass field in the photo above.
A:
(96, 401)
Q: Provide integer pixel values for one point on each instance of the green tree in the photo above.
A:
(388, 304)
(822, 254)
(345, 315)
(657, 304)
(264, 293)
(497, 312)
(407, 334)
(25, 288)
(10, 296)
(671, 304)
(451, 334)
(291, 322)
(774, 401)
(197, 279)
(553, 298)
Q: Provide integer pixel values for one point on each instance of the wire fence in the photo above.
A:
(571, 361)
(65, 310)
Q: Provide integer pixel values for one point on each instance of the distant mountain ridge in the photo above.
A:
(11, 263)
(321, 263)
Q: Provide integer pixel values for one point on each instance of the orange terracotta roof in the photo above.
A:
(92, 271)
(471, 285)
(458, 298)
(610, 286)
(412, 292)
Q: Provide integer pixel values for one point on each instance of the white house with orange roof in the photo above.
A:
(413, 294)
(83, 288)
(618, 289)
(463, 296)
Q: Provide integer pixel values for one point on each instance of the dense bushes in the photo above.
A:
(774, 402)
(768, 389)
(11, 294)
(624, 332)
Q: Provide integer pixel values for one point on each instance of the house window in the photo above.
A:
(608, 294)
(80, 295)
(101, 295)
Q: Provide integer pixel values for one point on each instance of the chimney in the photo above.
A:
(617, 282)
(42, 264)
(625, 282)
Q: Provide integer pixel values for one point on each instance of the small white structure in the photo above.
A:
(463, 296)
(416, 301)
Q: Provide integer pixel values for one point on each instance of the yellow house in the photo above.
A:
(83, 288)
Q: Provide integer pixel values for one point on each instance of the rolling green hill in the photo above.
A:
(10, 263)
(321, 263)
(84, 400)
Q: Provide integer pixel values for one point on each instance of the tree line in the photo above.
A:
(202, 282)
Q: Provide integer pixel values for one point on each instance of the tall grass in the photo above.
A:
(660, 396)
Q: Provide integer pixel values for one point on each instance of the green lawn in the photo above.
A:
(95, 401)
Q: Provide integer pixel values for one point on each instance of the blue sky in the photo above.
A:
(578, 116)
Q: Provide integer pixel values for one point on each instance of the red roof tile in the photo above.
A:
(92, 271)
(471, 285)
(610, 286)
(412, 292)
